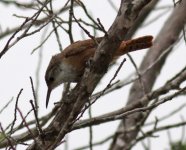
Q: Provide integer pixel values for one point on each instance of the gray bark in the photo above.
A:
(167, 37)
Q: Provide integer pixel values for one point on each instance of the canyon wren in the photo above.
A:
(68, 66)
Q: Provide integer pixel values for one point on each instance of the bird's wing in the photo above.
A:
(80, 46)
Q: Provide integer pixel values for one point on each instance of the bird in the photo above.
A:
(69, 65)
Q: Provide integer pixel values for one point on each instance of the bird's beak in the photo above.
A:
(48, 96)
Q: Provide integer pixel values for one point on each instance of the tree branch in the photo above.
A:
(167, 36)
(67, 114)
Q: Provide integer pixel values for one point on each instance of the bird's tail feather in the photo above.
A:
(134, 45)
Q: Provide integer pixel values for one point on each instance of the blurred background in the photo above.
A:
(28, 58)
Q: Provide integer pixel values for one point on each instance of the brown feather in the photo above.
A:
(86, 49)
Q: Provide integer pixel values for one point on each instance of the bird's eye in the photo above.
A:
(51, 79)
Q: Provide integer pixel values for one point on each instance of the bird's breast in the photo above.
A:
(68, 73)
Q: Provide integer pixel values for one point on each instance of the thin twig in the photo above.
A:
(6, 137)
(15, 111)
(6, 105)
(90, 129)
(71, 12)
(86, 31)
(39, 128)
(29, 130)
(34, 94)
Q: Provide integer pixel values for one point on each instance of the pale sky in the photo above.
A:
(17, 65)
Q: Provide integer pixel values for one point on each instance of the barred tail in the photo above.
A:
(134, 45)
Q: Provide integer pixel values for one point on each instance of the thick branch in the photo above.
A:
(68, 113)
(167, 37)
